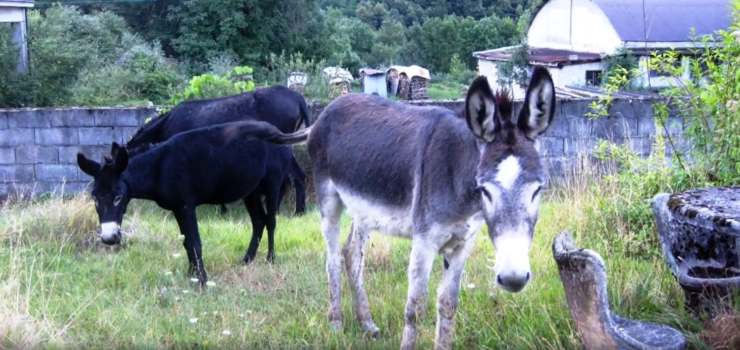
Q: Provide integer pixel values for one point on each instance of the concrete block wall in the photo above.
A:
(573, 135)
(38, 146)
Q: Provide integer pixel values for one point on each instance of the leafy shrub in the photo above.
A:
(279, 67)
(617, 78)
(62, 42)
(622, 198)
(459, 72)
(709, 102)
(210, 85)
(81, 58)
(140, 73)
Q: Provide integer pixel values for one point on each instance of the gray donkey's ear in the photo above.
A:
(480, 110)
(539, 104)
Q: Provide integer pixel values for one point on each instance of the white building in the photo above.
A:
(572, 37)
(14, 12)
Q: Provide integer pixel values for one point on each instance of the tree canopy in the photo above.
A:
(348, 32)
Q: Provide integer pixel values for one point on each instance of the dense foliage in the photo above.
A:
(81, 58)
(710, 104)
(709, 155)
(114, 52)
(380, 32)
(211, 85)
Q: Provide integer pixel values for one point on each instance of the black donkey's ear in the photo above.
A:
(88, 166)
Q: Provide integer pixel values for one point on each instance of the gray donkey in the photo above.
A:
(430, 175)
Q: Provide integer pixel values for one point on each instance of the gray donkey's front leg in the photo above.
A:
(420, 266)
(447, 294)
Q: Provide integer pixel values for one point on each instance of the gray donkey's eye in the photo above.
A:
(536, 192)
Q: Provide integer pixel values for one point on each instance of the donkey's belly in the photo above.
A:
(373, 215)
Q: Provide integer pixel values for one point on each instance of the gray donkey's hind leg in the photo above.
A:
(331, 211)
(354, 262)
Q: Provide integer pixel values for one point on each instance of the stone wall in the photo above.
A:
(38, 147)
(571, 139)
(567, 146)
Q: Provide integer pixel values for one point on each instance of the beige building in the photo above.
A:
(572, 37)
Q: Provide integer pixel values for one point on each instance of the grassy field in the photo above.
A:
(60, 288)
(445, 90)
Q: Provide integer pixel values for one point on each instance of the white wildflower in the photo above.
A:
(193, 320)
(471, 285)
(226, 332)
(194, 280)
(176, 255)
(211, 284)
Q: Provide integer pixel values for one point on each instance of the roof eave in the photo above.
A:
(22, 4)
(669, 44)
(480, 54)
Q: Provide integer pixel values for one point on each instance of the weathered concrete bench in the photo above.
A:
(583, 274)
(700, 236)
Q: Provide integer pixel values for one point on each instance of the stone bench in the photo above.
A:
(699, 233)
(583, 274)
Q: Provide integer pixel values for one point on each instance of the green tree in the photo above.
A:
(250, 29)
(386, 49)
(372, 13)
(350, 40)
(435, 41)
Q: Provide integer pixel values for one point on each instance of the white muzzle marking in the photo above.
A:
(512, 253)
(108, 230)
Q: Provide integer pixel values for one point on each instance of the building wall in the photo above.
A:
(489, 70)
(38, 147)
(570, 75)
(574, 74)
(591, 30)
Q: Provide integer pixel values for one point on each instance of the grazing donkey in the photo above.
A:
(277, 105)
(213, 165)
(428, 175)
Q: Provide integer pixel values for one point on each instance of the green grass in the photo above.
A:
(60, 288)
(445, 90)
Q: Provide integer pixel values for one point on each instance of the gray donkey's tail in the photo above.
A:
(289, 139)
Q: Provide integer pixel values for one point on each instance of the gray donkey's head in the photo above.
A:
(510, 174)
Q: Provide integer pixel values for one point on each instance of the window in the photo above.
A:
(593, 77)
(676, 64)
